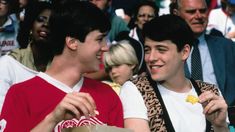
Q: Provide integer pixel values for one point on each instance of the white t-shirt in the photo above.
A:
(132, 101)
(185, 117)
(12, 72)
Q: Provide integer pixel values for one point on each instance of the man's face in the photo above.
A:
(195, 14)
(163, 60)
(102, 4)
(91, 50)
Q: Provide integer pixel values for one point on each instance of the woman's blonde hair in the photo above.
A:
(121, 53)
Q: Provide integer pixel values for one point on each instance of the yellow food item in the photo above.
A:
(192, 99)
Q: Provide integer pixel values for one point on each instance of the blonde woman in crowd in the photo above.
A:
(121, 63)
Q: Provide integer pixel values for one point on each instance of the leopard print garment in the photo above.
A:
(155, 112)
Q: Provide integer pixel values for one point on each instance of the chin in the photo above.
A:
(155, 77)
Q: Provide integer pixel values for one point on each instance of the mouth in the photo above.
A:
(198, 23)
(154, 68)
(98, 57)
(43, 33)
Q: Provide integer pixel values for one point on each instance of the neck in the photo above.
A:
(2, 20)
(64, 71)
(41, 56)
(180, 85)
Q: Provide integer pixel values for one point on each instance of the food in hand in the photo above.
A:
(97, 112)
(192, 99)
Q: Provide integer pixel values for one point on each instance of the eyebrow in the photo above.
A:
(193, 10)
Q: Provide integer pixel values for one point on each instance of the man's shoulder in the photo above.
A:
(204, 86)
(7, 61)
(141, 77)
(143, 82)
(26, 85)
(218, 39)
(96, 85)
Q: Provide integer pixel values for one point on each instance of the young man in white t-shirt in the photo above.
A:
(174, 102)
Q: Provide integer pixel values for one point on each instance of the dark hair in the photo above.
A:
(169, 27)
(32, 11)
(75, 19)
(14, 6)
(137, 8)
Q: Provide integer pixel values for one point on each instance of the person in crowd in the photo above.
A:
(223, 19)
(163, 6)
(20, 12)
(138, 47)
(144, 12)
(174, 102)
(214, 63)
(35, 52)
(78, 31)
(118, 25)
(120, 63)
(8, 26)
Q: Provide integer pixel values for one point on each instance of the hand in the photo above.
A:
(74, 105)
(215, 108)
(231, 35)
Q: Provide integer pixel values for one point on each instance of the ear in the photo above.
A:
(176, 12)
(185, 51)
(71, 43)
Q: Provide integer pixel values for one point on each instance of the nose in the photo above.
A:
(152, 56)
(45, 22)
(146, 17)
(104, 47)
(114, 69)
(198, 14)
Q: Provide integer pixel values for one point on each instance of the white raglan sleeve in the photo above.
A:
(132, 101)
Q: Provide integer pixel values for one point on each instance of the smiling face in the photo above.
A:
(90, 51)
(163, 60)
(195, 14)
(40, 29)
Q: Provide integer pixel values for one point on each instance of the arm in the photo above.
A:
(135, 111)
(6, 78)
(137, 124)
(73, 105)
(215, 110)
